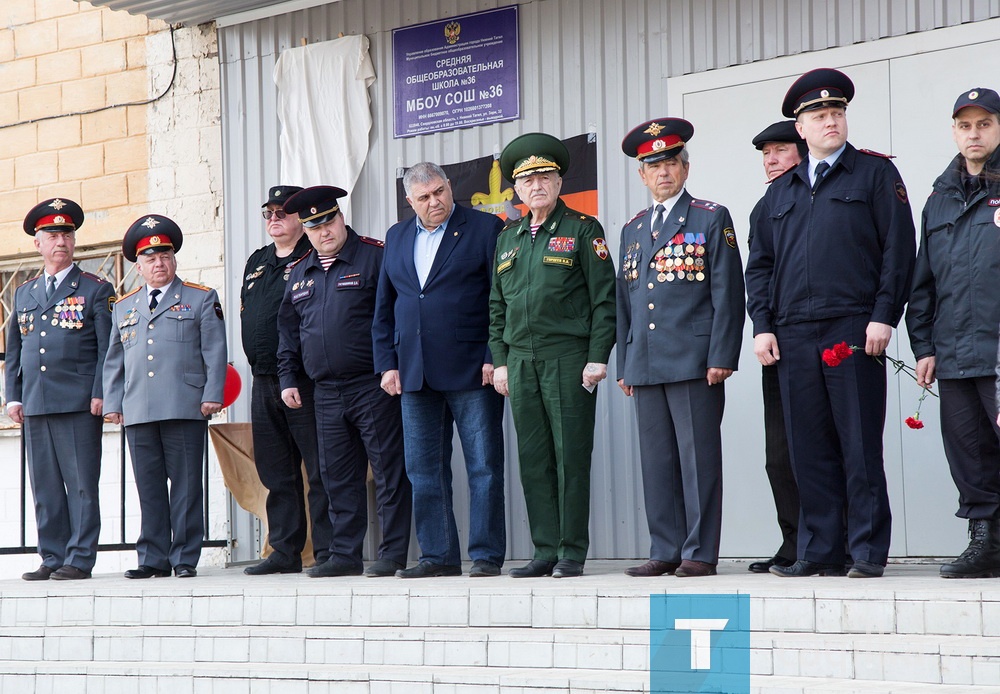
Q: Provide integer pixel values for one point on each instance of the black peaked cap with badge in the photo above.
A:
(782, 131)
(820, 88)
(986, 99)
(315, 205)
(151, 234)
(533, 153)
(279, 195)
(55, 214)
(658, 139)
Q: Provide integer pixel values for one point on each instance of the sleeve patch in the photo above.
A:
(901, 192)
(601, 249)
(218, 310)
(730, 237)
(111, 304)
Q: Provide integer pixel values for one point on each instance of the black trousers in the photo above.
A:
(284, 439)
(358, 423)
(778, 465)
(972, 443)
(835, 418)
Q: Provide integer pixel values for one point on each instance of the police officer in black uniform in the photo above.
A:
(283, 438)
(953, 316)
(831, 261)
(324, 327)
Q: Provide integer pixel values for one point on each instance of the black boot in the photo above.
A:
(981, 559)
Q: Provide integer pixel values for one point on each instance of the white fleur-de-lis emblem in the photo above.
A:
(150, 222)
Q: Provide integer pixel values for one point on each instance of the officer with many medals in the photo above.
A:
(680, 325)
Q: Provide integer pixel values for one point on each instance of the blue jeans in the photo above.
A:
(428, 416)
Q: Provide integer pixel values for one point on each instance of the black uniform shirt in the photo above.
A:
(264, 280)
(325, 319)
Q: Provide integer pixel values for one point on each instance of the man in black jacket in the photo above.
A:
(952, 320)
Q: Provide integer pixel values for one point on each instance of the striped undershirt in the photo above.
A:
(326, 261)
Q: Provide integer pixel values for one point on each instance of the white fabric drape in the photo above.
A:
(323, 108)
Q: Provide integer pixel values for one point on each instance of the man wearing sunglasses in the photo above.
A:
(282, 437)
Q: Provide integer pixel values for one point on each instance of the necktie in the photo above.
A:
(658, 221)
(153, 299)
(818, 175)
(50, 287)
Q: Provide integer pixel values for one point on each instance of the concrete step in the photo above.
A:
(826, 685)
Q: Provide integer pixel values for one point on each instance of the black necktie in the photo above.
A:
(818, 175)
(50, 287)
(153, 300)
(658, 221)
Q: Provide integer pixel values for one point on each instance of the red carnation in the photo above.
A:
(914, 422)
(843, 350)
(830, 358)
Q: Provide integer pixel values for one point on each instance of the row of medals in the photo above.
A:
(674, 262)
(66, 314)
(131, 318)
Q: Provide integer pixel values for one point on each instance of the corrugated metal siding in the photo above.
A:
(709, 34)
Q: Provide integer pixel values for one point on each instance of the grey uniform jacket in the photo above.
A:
(680, 298)
(56, 346)
(163, 366)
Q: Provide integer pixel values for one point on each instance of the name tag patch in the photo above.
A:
(564, 261)
(302, 294)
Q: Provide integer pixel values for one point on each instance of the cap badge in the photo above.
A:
(57, 204)
(277, 193)
(659, 144)
(150, 223)
(154, 240)
(59, 219)
(654, 129)
(825, 93)
(312, 210)
(973, 94)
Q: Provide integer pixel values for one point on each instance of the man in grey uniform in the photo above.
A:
(680, 325)
(163, 379)
(56, 343)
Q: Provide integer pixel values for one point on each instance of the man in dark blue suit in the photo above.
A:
(430, 331)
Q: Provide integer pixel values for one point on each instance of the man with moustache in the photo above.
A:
(56, 343)
(680, 325)
(952, 320)
(831, 262)
(283, 438)
(325, 332)
(782, 149)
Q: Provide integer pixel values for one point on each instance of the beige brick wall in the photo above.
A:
(59, 58)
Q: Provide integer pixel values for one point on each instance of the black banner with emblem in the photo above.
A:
(478, 183)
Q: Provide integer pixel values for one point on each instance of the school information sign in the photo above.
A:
(456, 73)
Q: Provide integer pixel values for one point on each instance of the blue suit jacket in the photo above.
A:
(437, 335)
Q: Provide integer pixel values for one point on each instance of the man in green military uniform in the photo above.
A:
(552, 326)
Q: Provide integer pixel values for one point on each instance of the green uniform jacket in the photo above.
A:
(553, 296)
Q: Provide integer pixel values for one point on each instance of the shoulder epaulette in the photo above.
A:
(202, 287)
(705, 205)
(130, 294)
(578, 215)
(33, 279)
(304, 256)
(99, 280)
(783, 173)
(511, 223)
(637, 215)
(371, 242)
(873, 153)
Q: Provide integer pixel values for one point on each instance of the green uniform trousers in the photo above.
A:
(554, 419)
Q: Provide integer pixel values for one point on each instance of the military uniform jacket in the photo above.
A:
(264, 280)
(847, 250)
(56, 347)
(325, 319)
(164, 365)
(553, 296)
(954, 309)
(680, 298)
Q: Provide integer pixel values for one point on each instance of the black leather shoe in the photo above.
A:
(384, 567)
(567, 568)
(865, 569)
(653, 567)
(334, 567)
(274, 564)
(482, 568)
(42, 573)
(981, 559)
(803, 568)
(536, 568)
(185, 571)
(763, 567)
(69, 573)
(147, 572)
(426, 569)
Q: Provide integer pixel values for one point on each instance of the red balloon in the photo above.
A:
(233, 386)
